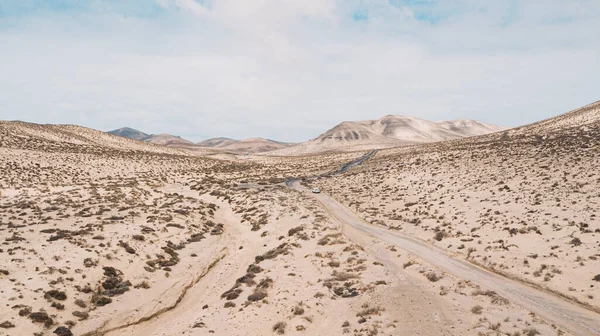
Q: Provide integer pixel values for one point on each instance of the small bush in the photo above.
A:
(531, 332)
(343, 276)
(81, 315)
(298, 310)
(279, 328)
(295, 230)
(477, 309)
(63, 331)
(433, 277)
(56, 294)
(257, 296)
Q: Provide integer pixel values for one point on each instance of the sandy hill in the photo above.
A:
(217, 142)
(169, 140)
(389, 131)
(251, 145)
(522, 202)
(586, 115)
(69, 138)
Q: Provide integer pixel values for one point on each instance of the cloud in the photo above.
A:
(290, 69)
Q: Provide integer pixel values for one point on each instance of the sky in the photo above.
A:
(290, 69)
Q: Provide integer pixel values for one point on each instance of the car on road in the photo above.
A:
(316, 190)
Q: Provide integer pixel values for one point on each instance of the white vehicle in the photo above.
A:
(316, 190)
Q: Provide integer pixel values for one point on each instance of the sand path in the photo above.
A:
(552, 308)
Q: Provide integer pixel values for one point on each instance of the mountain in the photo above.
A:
(251, 145)
(130, 133)
(389, 131)
(159, 139)
(168, 140)
(216, 142)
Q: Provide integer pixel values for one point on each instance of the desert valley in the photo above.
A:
(446, 228)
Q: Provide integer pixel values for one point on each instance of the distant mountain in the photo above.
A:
(216, 142)
(168, 140)
(159, 139)
(252, 145)
(130, 133)
(389, 131)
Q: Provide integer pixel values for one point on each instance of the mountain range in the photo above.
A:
(388, 131)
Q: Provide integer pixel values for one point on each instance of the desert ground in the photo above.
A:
(102, 235)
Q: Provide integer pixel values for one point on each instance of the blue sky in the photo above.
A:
(288, 70)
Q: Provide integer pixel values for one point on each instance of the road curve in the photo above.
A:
(565, 314)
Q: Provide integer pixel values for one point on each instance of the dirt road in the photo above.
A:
(568, 315)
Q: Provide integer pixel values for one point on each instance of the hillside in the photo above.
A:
(389, 131)
(523, 202)
(70, 138)
(105, 235)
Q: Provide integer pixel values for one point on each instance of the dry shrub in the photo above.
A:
(279, 327)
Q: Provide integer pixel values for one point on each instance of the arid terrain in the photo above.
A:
(348, 136)
(103, 235)
(388, 131)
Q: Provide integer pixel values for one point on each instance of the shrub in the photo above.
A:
(232, 294)
(81, 315)
(295, 230)
(257, 296)
(477, 309)
(367, 311)
(41, 317)
(63, 331)
(439, 235)
(298, 310)
(279, 328)
(530, 332)
(343, 276)
(433, 277)
(56, 294)
(6, 325)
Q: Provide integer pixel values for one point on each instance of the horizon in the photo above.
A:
(289, 71)
(197, 140)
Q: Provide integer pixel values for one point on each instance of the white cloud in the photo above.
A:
(289, 69)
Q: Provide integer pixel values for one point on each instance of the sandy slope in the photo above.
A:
(568, 315)
(523, 202)
(106, 235)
